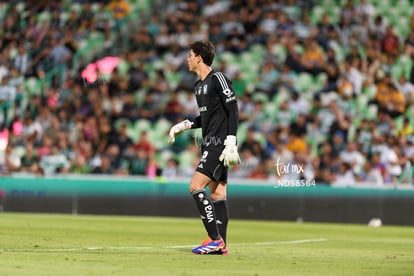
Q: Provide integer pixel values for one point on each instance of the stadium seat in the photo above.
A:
(369, 91)
(33, 86)
(280, 97)
(270, 109)
(77, 7)
(161, 127)
(64, 16)
(257, 50)
(186, 159)
(161, 157)
(402, 26)
(138, 127)
(123, 67)
(44, 16)
(280, 51)
(173, 79)
(229, 58)
(340, 52)
(319, 82)
(312, 142)
(398, 122)
(140, 96)
(361, 102)
(260, 96)
(316, 14)
(396, 71)
(158, 140)
(20, 6)
(241, 132)
(5, 8)
(305, 82)
(409, 112)
(260, 137)
(371, 112)
(122, 121)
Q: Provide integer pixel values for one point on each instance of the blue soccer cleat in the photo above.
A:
(209, 246)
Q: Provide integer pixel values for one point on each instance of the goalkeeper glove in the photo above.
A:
(230, 156)
(177, 129)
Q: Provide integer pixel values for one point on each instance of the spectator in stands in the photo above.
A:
(172, 169)
(285, 116)
(120, 9)
(22, 61)
(370, 174)
(326, 163)
(352, 156)
(122, 139)
(173, 108)
(326, 33)
(30, 160)
(247, 166)
(79, 165)
(345, 176)
(138, 164)
(390, 43)
(189, 104)
(313, 58)
(7, 94)
(267, 78)
(378, 27)
(104, 167)
(54, 162)
(148, 109)
(144, 144)
(260, 172)
(11, 160)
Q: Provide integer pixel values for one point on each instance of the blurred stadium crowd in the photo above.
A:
(324, 85)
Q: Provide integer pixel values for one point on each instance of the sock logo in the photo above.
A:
(209, 213)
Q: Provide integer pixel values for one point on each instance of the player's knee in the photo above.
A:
(195, 186)
(218, 195)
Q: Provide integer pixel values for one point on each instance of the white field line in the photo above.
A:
(122, 248)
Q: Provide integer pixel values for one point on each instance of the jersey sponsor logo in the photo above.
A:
(227, 92)
(224, 85)
(205, 89)
(229, 99)
(209, 213)
(198, 92)
(203, 109)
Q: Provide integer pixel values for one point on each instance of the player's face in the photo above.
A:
(192, 61)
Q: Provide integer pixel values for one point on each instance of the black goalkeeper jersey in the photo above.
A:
(218, 108)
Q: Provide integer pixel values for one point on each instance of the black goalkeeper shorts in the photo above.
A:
(211, 166)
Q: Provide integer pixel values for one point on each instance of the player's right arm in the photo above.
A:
(181, 126)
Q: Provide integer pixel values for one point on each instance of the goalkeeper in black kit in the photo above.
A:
(218, 120)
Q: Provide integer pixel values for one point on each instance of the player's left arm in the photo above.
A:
(229, 101)
(228, 98)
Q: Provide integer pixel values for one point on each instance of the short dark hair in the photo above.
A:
(205, 49)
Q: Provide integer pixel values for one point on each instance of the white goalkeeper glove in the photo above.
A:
(178, 128)
(230, 156)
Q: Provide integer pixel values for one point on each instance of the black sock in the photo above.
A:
(222, 216)
(208, 216)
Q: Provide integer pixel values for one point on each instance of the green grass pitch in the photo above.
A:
(47, 244)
